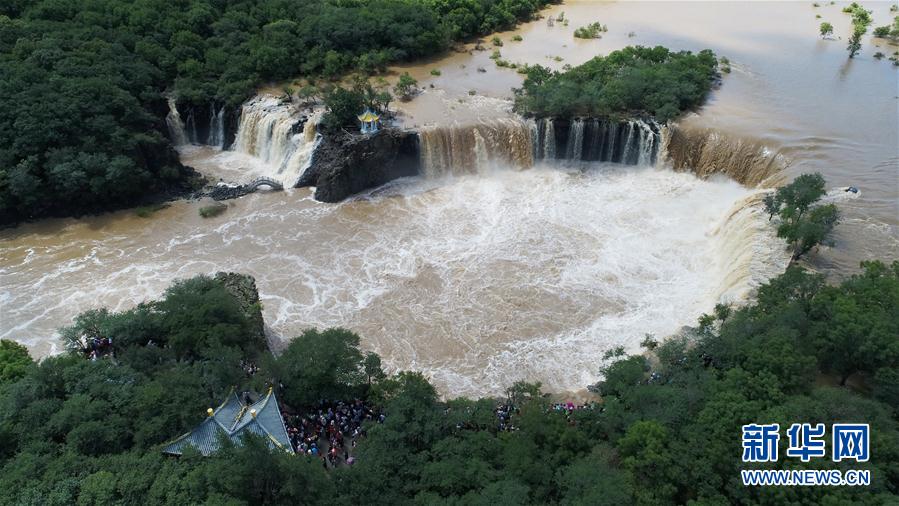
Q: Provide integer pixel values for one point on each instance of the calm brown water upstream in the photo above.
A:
(484, 279)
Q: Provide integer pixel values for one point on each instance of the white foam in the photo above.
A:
(476, 280)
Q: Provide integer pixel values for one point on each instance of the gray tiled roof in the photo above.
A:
(232, 419)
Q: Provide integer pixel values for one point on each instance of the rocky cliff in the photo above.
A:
(345, 164)
(243, 288)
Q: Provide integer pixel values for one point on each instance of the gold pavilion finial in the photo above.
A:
(209, 411)
(253, 413)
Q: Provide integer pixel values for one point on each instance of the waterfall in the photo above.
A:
(480, 147)
(549, 139)
(608, 142)
(216, 127)
(277, 134)
(175, 125)
(705, 152)
(626, 147)
(575, 146)
(632, 142)
(648, 145)
(192, 128)
(751, 253)
(476, 148)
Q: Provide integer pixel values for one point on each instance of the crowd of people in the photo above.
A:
(569, 408)
(504, 414)
(96, 347)
(331, 431)
(250, 368)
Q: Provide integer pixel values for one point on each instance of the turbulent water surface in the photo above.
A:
(478, 280)
(517, 254)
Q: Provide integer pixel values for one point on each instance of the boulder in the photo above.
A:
(345, 164)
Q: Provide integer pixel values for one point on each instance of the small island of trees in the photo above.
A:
(631, 81)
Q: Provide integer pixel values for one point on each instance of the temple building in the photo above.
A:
(232, 419)
(369, 122)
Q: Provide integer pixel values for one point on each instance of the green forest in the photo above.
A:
(667, 431)
(83, 82)
(632, 81)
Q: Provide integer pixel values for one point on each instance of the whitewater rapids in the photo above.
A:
(477, 280)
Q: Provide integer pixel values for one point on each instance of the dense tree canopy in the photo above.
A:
(82, 82)
(667, 431)
(630, 81)
(14, 361)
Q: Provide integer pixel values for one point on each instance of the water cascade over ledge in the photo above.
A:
(518, 143)
(216, 136)
(279, 136)
(477, 148)
(705, 152)
(630, 142)
(175, 124)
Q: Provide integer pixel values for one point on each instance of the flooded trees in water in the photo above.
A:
(861, 18)
(406, 86)
(802, 223)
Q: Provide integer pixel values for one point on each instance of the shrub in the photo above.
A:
(405, 86)
(497, 41)
(213, 210)
(724, 64)
(591, 31)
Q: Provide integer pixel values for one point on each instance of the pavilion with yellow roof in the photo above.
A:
(369, 122)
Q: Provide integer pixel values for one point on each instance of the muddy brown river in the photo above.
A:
(479, 280)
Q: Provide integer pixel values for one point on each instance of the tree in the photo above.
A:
(405, 86)
(860, 21)
(858, 328)
(343, 107)
(801, 228)
(308, 94)
(806, 232)
(14, 361)
(321, 365)
(826, 29)
(647, 457)
(794, 199)
(855, 41)
(372, 366)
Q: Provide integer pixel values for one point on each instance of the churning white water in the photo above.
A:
(477, 280)
(274, 132)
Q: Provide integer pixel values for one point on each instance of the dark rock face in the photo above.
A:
(243, 288)
(198, 122)
(345, 164)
